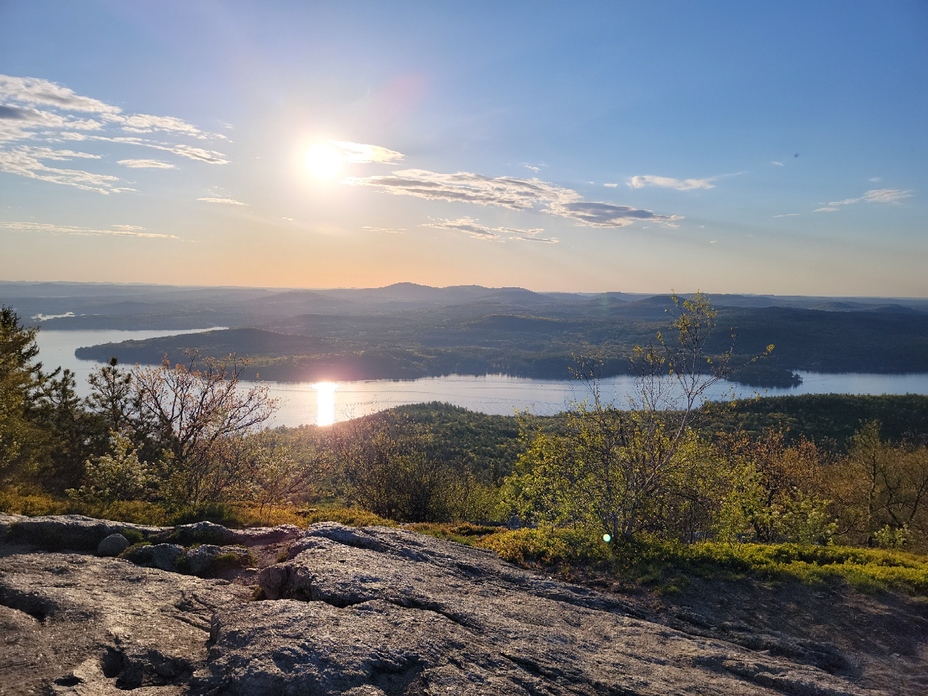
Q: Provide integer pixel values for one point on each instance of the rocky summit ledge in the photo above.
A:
(337, 610)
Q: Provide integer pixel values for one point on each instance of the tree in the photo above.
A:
(882, 490)
(631, 471)
(110, 396)
(774, 490)
(20, 378)
(115, 476)
(388, 466)
(191, 421)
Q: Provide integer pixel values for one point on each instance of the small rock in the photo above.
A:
(113, 545)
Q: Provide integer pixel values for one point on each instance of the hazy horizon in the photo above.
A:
(541, 291)
(592, 147)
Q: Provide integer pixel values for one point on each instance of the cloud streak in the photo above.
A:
(512, 193)
(114, 231)
(38, 116)
(472, 228)
(222, 201)
(145, 164)
(885, 196)
(637, 182)
(360, 153)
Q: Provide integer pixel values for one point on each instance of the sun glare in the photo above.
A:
(324, 161)
(325, 402)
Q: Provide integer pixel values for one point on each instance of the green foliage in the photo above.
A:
(24, 502)
(822, 418)
(576, 550)
(465, 533)
(881, 491)
(550, 546)
(891, 537)
(629, 472)
(21, 438)
(774, 491)
(117, 475)
(387, 468)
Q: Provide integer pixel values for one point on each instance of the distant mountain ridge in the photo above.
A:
(137, 306)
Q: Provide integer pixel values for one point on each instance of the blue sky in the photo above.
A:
(589, 146)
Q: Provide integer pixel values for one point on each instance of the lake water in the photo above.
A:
(307, 403)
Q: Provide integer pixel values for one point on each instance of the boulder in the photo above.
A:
(112, 545)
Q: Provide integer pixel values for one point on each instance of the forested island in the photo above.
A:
(407, 331)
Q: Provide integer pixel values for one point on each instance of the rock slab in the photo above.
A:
(374, 612)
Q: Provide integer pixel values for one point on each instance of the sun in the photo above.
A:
(324, 161)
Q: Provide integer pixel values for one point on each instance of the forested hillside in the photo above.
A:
(406, 332)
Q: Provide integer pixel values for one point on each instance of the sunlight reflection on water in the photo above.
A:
(307, 402)
(325, 402)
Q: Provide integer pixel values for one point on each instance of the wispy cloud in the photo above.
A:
(783, 215)
(886, 196)
(30, 162)
(638, 182)
(533, 167)
(384, 230)
(113, 231)
(360, 153)
(508, 192)
(777, 164)
(38, 116)
(472, 228)
(222, 201)
(145, 164)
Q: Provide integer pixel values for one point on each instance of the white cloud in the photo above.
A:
(669, 182)
(472, 228)
(114, 231)
(46, 114)
(887, 196)
(508, 192)
(777, 164)
(783, 215)
(224, 201)
(38, 92)
(360, 153)
(146, 123)
(145, 164)
(611, 185)
(533, 167)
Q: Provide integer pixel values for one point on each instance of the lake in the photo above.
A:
(308, 403)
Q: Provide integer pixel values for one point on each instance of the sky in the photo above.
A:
(729, 147)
